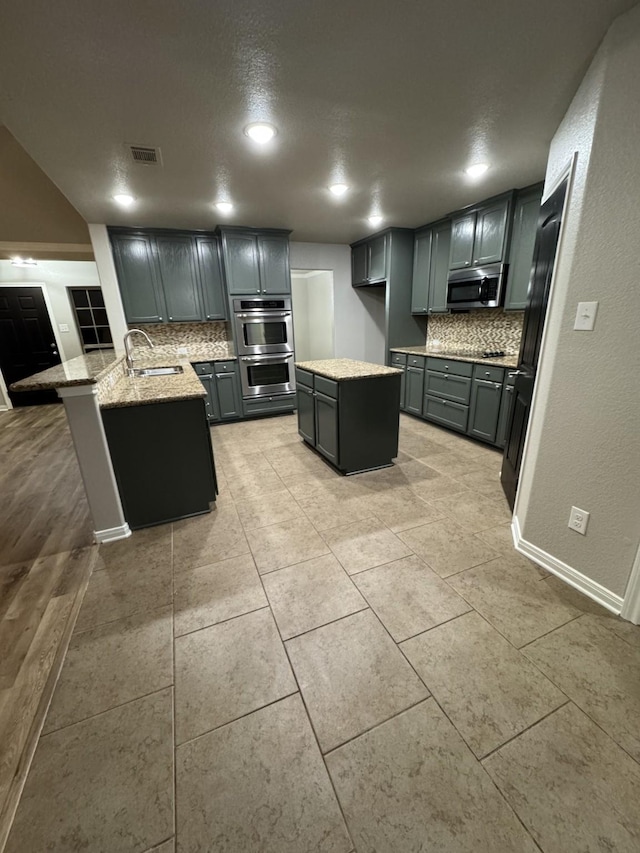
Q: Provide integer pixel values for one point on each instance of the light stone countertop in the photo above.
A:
(82, 370)
(341, 369)
(460, 355)
(142, 390)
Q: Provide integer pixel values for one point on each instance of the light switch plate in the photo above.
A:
(586, 316)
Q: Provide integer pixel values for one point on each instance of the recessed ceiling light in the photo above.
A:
(24, 262)
(375, 220)
(260, 132)
(338, 189)
(477, 169)
(224, 206)
(124, 199)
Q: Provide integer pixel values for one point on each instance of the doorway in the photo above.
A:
(27, 341)
(313, 314)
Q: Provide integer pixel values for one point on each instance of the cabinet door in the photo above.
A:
(327, 426)
(177, 263)
(211, 400)
(462, 234)
(452, 415)
(403, 388)
(138, 278)
(228, 395)
(503, 418)
(306, 414)
(439, 271)
(212, 284)
(525, 223)
(414, 390)
(421, 270)
(377, 269)
(491, 234)
(273, 255)
(484, 410)
(359, 256)
(240, 253)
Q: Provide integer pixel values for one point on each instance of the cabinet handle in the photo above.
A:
(159, 318)
(486, 373)
(171, 318)
(446, 376)
(511, 372)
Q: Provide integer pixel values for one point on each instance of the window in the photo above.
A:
(91, 317)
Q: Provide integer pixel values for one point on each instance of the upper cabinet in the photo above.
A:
(480, 235)
(369, 261)
(256, 261)
(168, 276)
(430, 269)
(525, 223)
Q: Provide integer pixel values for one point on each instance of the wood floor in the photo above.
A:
(46, 556)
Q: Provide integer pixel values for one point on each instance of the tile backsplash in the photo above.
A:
(486, 329)
(183, 334)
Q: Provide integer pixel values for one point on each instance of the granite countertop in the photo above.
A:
(346, 368)
(142, 390)
(460, 355)
(82, 370)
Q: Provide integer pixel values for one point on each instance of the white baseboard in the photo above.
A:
(112, 534)
(574, 578)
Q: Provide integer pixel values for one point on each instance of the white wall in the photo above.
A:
(300, 305)
(321, 315)
(109, 283)
(359, 314)
(54, 277)
(584, 439)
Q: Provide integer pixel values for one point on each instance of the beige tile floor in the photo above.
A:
(328, 664)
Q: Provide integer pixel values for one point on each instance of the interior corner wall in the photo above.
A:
(583, 447)
(359, 315)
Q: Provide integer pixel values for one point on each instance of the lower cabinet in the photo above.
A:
(449, 414)
(485, 409)
(353, 423)
(505, 412)
(221, 382)
(414, 390)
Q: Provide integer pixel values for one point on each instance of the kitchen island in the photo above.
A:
(349, 412)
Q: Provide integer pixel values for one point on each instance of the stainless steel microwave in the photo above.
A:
(480, 287)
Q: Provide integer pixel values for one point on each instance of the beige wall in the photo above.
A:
(584, 440)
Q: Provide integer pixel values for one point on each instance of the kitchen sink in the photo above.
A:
(156, 371)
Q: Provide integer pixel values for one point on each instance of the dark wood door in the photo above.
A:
(27, 342)
(544, 255)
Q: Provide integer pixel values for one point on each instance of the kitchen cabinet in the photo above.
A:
(256, 261)
(447, 392)
(444, 412)
(525, 224)
(220, 380)
(505, 411)
(414, 390)
(369, 261)
(168, 276)
(431, 269)
(421, 271)
(480, 236)
(138, 277)
(486, 397)
(399, 360)
(353, 423)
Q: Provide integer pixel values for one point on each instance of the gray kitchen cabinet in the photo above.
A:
(138, 277)
(211, 400)
(421, 271)
(377, 270)
(306, 413)
(359, 263)
(505, 412)
(439, 272)
(485, 409)
(448, 386)
(256, 261)
(414, 390)
(399, 360)
(327, 426)
(228, 391)
(212, 282)
(369, 261)
(444, 412)
(177, 265)
(462, 234)
(480, 235)
(525, 224)
(353, 423)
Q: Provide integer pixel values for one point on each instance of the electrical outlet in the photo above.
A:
(578, 520)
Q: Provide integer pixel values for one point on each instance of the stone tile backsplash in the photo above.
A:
(487, 329)
(184, 334)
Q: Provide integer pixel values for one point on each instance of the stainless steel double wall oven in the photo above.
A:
(264, 343)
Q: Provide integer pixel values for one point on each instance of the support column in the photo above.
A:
(92, 450)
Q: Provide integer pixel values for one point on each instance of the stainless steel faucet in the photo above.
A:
(127, 345)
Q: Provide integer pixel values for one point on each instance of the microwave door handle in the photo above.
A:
(484, 291)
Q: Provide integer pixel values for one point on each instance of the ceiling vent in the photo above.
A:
(145, 155)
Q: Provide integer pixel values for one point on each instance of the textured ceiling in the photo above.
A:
(393, 98)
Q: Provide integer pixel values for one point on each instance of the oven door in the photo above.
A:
(264, 333)
(263, 375)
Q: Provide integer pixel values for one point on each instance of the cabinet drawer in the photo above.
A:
(488, 373)
(303, 377)
(203, 368)
(225, 366)
(415, 360)
(448, 386)
(399, 358)
(326, 386)
(459, 368)
(269, 405)
(447, 413)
